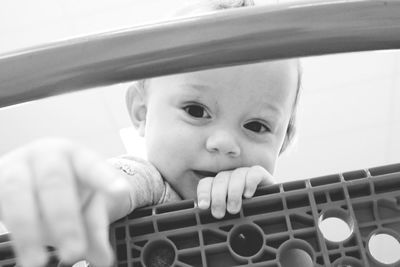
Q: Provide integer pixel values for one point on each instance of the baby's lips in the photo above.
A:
(204, 173)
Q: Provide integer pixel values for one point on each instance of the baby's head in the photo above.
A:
(198, 124)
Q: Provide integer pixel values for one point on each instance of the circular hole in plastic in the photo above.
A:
(347, 262)
(384, 248)
(80, 264)
(160, 253)
(295, 257)
(296, 252)
(246, 240)
(335, 229)
(336, 225)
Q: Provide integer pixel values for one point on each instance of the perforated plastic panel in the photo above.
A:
(278, 227)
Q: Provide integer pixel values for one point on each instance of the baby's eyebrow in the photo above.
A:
(268, 110)
(196, 87)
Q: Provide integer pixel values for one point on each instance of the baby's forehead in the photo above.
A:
(253, 70)
(264, 72)
(261, 84)
(257, 79)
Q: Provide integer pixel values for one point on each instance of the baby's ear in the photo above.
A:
(136, 104)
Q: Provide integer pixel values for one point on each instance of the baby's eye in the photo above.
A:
(196, 111)
(257, 127)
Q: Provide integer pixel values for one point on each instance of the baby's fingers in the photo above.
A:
(59, 204)
(235, 190)
(204, 192)
(96, 222)
(219, 191)
(256, 176)
(19, 212)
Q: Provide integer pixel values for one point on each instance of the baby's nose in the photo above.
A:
(223, 142)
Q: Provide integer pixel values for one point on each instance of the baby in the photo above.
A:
(212, 135)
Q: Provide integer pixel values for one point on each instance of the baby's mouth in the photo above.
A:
(203, 174)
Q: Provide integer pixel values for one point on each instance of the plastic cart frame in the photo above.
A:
(282, 221)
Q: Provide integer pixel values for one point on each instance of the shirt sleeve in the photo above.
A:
(147, 185)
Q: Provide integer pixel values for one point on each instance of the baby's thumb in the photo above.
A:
(99, 253)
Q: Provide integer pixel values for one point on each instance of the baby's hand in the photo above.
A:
(225, 191)
(54, 192)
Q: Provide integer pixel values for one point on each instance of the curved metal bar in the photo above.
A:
(219, 39)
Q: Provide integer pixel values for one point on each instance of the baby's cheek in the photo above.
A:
(265, 158)
(167, 157)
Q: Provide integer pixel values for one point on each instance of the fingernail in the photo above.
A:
(203, 204)
(218, 213)
(233, 207)
(248, 194)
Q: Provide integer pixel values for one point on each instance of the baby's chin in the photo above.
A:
(187, 193)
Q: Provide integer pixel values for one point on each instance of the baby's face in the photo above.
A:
(201, 123)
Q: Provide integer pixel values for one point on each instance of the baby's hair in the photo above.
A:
(218, 5)
(224, 4)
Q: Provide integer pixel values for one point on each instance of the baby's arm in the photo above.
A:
(54, 192)
(225, 191)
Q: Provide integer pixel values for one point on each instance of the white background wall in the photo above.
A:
(349, 112)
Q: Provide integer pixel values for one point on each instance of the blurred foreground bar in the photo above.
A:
(213, 40)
